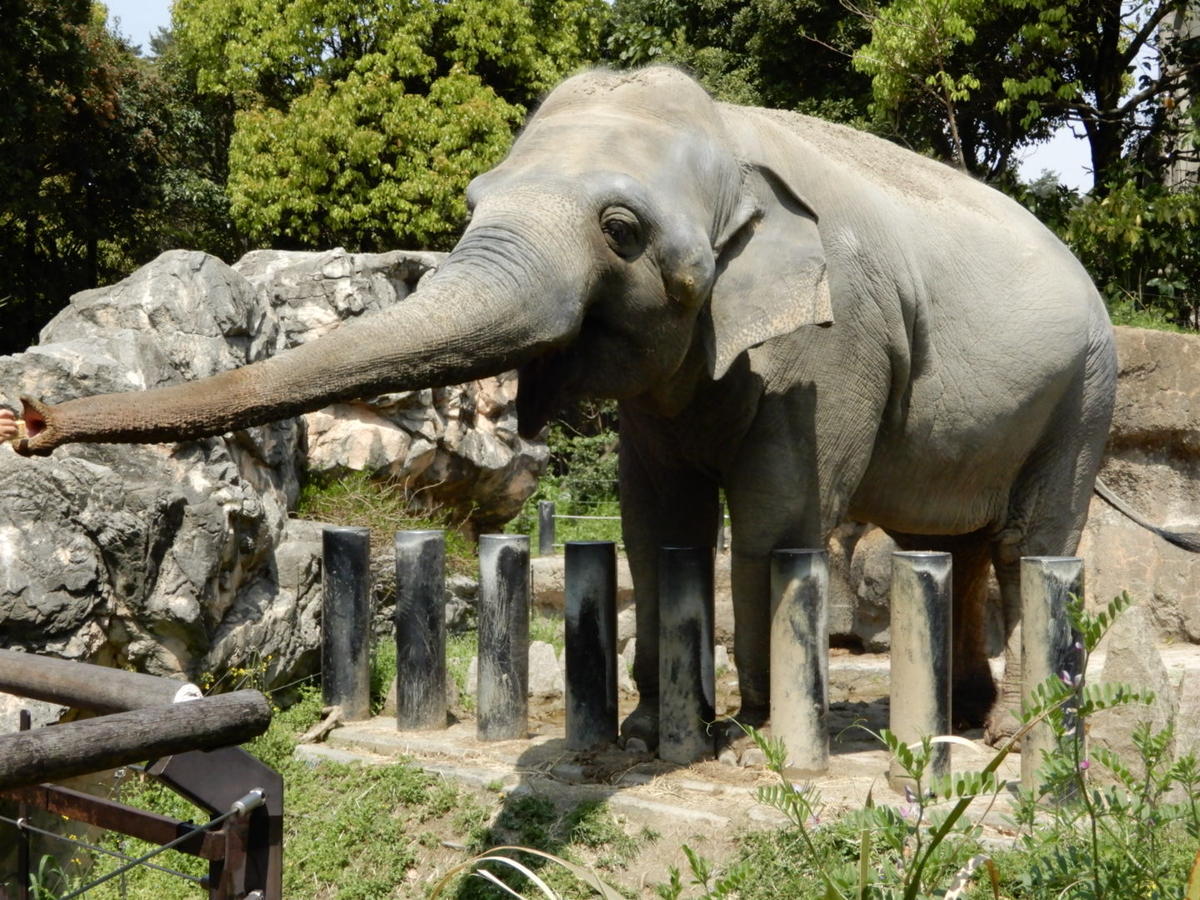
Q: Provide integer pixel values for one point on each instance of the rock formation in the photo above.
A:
(181, 558)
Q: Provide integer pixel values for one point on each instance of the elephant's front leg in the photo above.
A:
(750, 577)
(660, 507)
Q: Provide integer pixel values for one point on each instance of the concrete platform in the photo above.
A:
(706, 795)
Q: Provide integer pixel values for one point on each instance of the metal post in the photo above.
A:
(420, 630)
(346, 620)
(1048, 643)
(503, 701)
(591, 644)
(920, 670)
(545, 528)
(24, 870)
(687, 682)
(800, 657)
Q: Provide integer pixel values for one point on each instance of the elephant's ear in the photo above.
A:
(770, 270)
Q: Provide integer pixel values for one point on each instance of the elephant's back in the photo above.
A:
(884, 163)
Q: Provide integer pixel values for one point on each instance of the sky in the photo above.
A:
(1064, 154)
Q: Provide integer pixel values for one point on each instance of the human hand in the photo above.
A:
(8, 425)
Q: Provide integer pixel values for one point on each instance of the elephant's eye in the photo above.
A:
(623, 231)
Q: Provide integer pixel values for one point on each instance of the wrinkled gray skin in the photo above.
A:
(645, 243)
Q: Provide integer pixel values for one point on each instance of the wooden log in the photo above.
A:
(106, 742)
(85, 686)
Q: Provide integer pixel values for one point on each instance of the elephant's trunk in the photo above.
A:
(477, 316)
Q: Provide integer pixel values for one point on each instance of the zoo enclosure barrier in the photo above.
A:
(921, 658)
(191, 741)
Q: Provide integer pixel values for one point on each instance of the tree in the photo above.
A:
(80, 135)
(937, 70)
(993, 76)
(360, 124)
(786, 54)
(1106, 67)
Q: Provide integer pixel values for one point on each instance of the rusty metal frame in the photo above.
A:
(245, 856)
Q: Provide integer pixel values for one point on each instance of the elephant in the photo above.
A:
(815, 321)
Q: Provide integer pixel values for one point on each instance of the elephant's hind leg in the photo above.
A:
(973, 689)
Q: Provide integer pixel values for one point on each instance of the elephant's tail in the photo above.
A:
(1188, 540)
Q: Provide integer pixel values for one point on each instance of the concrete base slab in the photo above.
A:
(707, 795)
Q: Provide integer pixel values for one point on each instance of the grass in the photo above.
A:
(356, 499)
(355, 832)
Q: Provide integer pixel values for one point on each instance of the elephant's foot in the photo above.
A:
(731, 732)
(972, 698)
(641, 725)
(1000, 726)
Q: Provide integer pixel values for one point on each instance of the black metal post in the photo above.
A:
(921, 654)
(24, 870)
(800, 656)
(1048, 644)
(545, 528)
(420, 630)
(687, 681)
(503, 701)
(591, 644)
(346, 620)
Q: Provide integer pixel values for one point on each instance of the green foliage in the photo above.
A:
(81, 133)
(577, 840)
(787, 54)
(1141, 245)
(354, 498)
(912, 43)
(581, 480)
(1106, 66)
(1131, 837)
(365, 163)
(937, 68)
(350, 831)
(360, 124)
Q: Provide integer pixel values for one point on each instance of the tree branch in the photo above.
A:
(1143, 35)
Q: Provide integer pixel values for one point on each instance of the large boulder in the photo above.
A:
(181, 559)
(455, 447)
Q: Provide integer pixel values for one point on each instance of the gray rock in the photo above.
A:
(721, 661)
(625, 668)
(548, 585)
(180, 558)
(472, 679)
(545, 674)
(1131, 657)
(149, 556)
(626, 627)
(462, 593)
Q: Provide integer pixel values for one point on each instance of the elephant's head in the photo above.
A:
(628, 231)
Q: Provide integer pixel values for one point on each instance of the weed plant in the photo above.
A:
(385, 506)
(1134, 835)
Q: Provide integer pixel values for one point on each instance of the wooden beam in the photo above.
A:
(82, 685)
(106, 742)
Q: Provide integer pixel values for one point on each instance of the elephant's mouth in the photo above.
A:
(541, 389)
